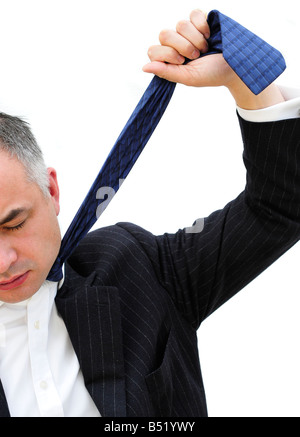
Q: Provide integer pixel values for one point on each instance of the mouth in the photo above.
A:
(14, 282)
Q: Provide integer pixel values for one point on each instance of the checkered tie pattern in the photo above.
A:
(256, 62)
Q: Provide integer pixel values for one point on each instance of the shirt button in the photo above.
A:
(37, 324)
(43, 385)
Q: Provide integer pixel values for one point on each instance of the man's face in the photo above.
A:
(29, 232)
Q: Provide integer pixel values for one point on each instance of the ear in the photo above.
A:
(54, 189)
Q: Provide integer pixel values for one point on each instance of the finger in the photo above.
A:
(165, 54)
(192, 34)
(170, 38)
(199, 20)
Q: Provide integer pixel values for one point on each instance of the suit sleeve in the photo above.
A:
(202, 270)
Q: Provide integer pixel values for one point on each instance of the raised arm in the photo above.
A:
(203, 269)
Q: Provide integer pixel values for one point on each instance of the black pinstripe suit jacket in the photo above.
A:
(132, 302)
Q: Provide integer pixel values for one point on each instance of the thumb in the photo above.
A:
(170, 72)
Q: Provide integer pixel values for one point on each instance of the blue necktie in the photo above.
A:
(255, 62)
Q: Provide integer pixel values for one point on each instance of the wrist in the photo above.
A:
(245, 99)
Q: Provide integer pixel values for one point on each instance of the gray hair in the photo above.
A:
(17, 139)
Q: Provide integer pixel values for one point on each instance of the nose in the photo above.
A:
(8, 256)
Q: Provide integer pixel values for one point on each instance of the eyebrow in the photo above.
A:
(14, 213)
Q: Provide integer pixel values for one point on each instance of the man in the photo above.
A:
(119, 336)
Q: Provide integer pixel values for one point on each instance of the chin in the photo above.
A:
(22, 292)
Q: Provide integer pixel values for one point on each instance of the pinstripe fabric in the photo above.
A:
(132, 302)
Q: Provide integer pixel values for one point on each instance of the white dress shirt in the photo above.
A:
(39, 369)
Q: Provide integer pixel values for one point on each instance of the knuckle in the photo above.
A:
(150, 51)
(199, 19)
(194, 13)
(182, 25)
(198, 13)
(164, 36)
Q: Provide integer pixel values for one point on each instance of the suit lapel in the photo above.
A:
(92, 317)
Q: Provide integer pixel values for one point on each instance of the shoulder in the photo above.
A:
(113, 236)
(110, 245)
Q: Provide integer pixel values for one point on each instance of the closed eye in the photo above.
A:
(15, 228)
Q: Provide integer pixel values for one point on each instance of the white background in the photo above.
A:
(73, 69)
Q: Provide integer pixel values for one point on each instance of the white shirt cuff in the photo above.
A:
(283, 111)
